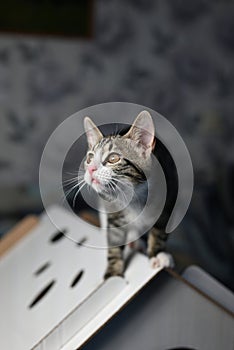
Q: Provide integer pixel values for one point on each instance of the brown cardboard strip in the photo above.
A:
(17, 232)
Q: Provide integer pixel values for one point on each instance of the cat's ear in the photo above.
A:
(93, 134)
(142, 131)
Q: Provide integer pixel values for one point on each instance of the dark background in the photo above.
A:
(173, 56)
(47, 17)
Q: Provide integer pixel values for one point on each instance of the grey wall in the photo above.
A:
(171, 55)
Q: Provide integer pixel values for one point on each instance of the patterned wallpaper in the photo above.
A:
(174, 56)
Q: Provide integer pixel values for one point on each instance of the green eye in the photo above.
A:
(89, 158)
(113, 158)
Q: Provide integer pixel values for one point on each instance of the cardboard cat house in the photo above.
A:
(53, 296)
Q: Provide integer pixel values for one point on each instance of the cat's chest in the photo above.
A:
(123, 217)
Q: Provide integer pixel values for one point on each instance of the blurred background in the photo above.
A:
(174, 56)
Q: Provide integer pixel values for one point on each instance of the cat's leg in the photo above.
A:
(133, 245)
(115, 262)
(156, 241)
(116, 237)
(156, 246)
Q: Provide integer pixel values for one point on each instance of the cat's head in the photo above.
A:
(114, 161)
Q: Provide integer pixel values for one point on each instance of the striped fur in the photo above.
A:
(133, 150)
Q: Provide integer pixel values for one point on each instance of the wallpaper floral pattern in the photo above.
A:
(174, 56)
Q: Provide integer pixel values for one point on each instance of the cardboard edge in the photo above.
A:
(19, 231)
(175, 275)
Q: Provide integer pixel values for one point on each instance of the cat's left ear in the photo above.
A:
(93, 134)
(142, 131)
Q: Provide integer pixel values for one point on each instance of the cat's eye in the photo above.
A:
(89, 158)
(113, 158)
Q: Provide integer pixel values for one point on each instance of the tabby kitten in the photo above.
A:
(117, 167)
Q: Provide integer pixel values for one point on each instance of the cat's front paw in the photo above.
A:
(115, 269)
(162, 260)
(109, 274)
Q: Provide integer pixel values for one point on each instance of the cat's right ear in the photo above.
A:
(93, 134)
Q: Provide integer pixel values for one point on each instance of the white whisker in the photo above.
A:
(67, 181)
(74, 199)
(120, 191)
(72, 189)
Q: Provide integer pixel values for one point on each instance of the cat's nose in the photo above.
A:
(91, 169)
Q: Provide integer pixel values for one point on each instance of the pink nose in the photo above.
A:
(91, 169)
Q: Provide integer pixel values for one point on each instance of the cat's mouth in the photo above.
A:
(104, 186)
(104, 190)
(95, 181)
(92, 180)
(96, 185)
